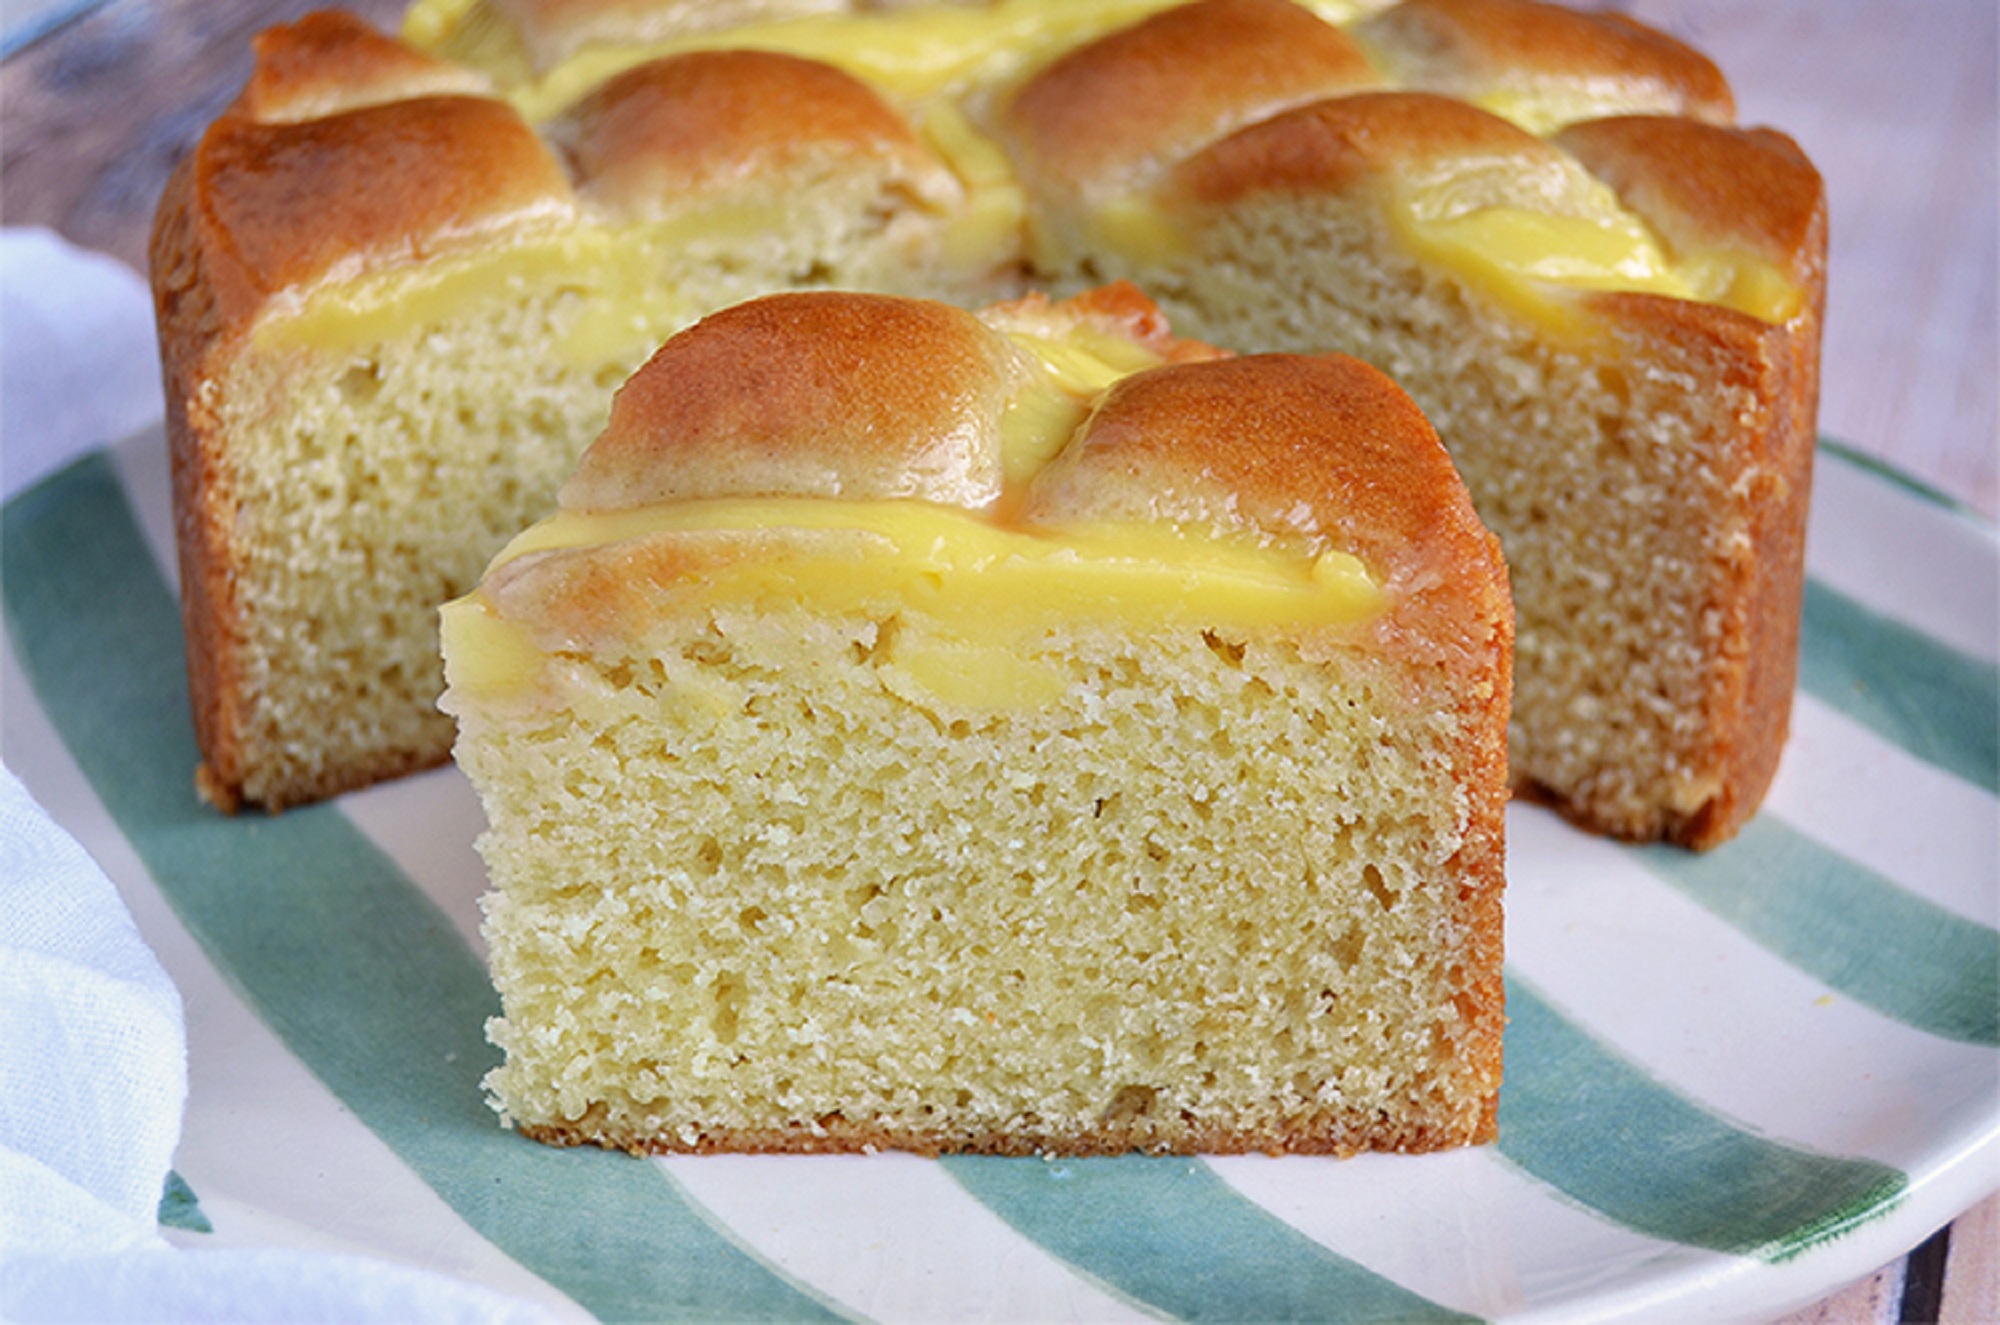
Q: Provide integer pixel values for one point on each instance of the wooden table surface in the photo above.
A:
(1895, 102)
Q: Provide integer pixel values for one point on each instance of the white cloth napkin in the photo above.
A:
(79, 365)
(93, 1052)
(93, 1073)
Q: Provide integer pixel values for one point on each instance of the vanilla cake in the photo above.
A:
(399, 278)
(1013, 732)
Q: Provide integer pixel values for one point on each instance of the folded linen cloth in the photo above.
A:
(79, 365)
(93, 1072)
(93, 1078)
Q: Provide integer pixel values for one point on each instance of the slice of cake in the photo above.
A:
(1614, 327)
(1009, 732)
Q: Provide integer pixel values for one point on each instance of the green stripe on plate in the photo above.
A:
(1170, 1234)
(339, 952)
(1846, 925)
(1595, 1126)
(180, 1207)
(1938, 704)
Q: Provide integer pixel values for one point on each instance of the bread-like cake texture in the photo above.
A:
(1541, 223)
(1009, 732)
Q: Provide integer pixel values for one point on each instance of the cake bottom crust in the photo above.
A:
(836, 1135)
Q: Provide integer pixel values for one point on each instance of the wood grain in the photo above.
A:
(1972, 1274)
(1876, 1300)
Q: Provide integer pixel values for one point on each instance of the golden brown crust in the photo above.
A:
(1334, 146)
(837, 394)
(1322, 448)
(1476, 49)
(833, 395)
(645, 140)
(1704, 187)
(1148, 94)
(331, 61)
(389, 182)
(291, 204)
(188, 307)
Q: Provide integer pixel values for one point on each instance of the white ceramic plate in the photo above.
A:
(1735, 1081)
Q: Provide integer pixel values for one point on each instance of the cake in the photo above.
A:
(1008, 732)
(389, 319)
(399, 278)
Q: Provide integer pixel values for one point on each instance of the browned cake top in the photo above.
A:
(1335, 146)
(1148, 94)
(1705, 187)
(288, 205)
(1319, 447)
(1481, 49)
(851, 397)
(689, 123)
(331, 61)
(350, 152)
(836, 395)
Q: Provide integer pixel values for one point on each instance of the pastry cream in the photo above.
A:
(986, 231)
(1543, 108)
(911, 54)
(1041, 419)
(610, 276)
(621, 286)
(1519, 253)
(979, 590)
(431, 24)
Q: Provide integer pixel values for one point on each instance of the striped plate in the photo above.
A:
(1734, 1081)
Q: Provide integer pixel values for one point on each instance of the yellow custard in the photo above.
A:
(1521, 254)
(1526, 257)
(979, 588)
(607, 279)
(428, 23)
(621, 289)
(1542, 108)
(910, 54)
(1042, 418)
(986, 231)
